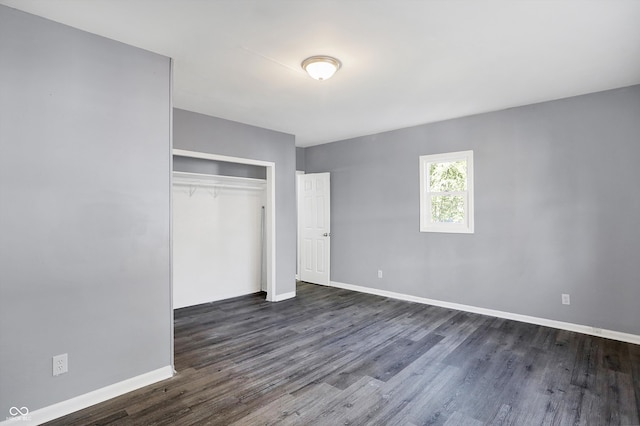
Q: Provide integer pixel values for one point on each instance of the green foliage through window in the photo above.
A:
(448, 176)
(446, 192)
(446, 179)
(447, 208)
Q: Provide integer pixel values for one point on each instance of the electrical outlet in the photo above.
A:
(60, 364)
(379, 273)
(566, 300)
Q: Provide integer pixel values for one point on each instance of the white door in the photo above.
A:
(314, 227)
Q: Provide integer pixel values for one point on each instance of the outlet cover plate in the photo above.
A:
(60, 364)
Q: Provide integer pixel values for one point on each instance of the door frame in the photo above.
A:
(270, 211)
(298, 174)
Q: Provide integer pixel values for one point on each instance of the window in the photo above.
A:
(446, 192)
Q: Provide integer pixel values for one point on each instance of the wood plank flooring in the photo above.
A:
(336, 357)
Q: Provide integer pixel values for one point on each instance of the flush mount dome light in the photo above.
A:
(321, 67)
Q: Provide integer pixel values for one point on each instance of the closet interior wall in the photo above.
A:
(218, 230)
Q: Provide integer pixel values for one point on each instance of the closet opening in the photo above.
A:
(223, 228)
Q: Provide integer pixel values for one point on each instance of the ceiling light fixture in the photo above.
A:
(321, 67)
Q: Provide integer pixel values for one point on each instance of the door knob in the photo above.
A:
(326, 234)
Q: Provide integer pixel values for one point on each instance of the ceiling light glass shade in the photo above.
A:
(321, 67)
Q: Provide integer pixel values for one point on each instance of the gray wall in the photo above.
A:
(221, 168)
(198, 132)
(556, 211)
(300, 159)
(84, 224)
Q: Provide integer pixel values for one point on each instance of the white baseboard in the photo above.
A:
(284, 296)
(69, 406)
(585, 329)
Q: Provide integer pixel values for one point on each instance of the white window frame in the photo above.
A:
(426, 225)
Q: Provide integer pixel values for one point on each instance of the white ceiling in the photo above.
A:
(405, 62)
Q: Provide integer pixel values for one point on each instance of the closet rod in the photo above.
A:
(218, 185)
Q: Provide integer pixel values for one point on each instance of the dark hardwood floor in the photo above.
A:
(335, 357)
